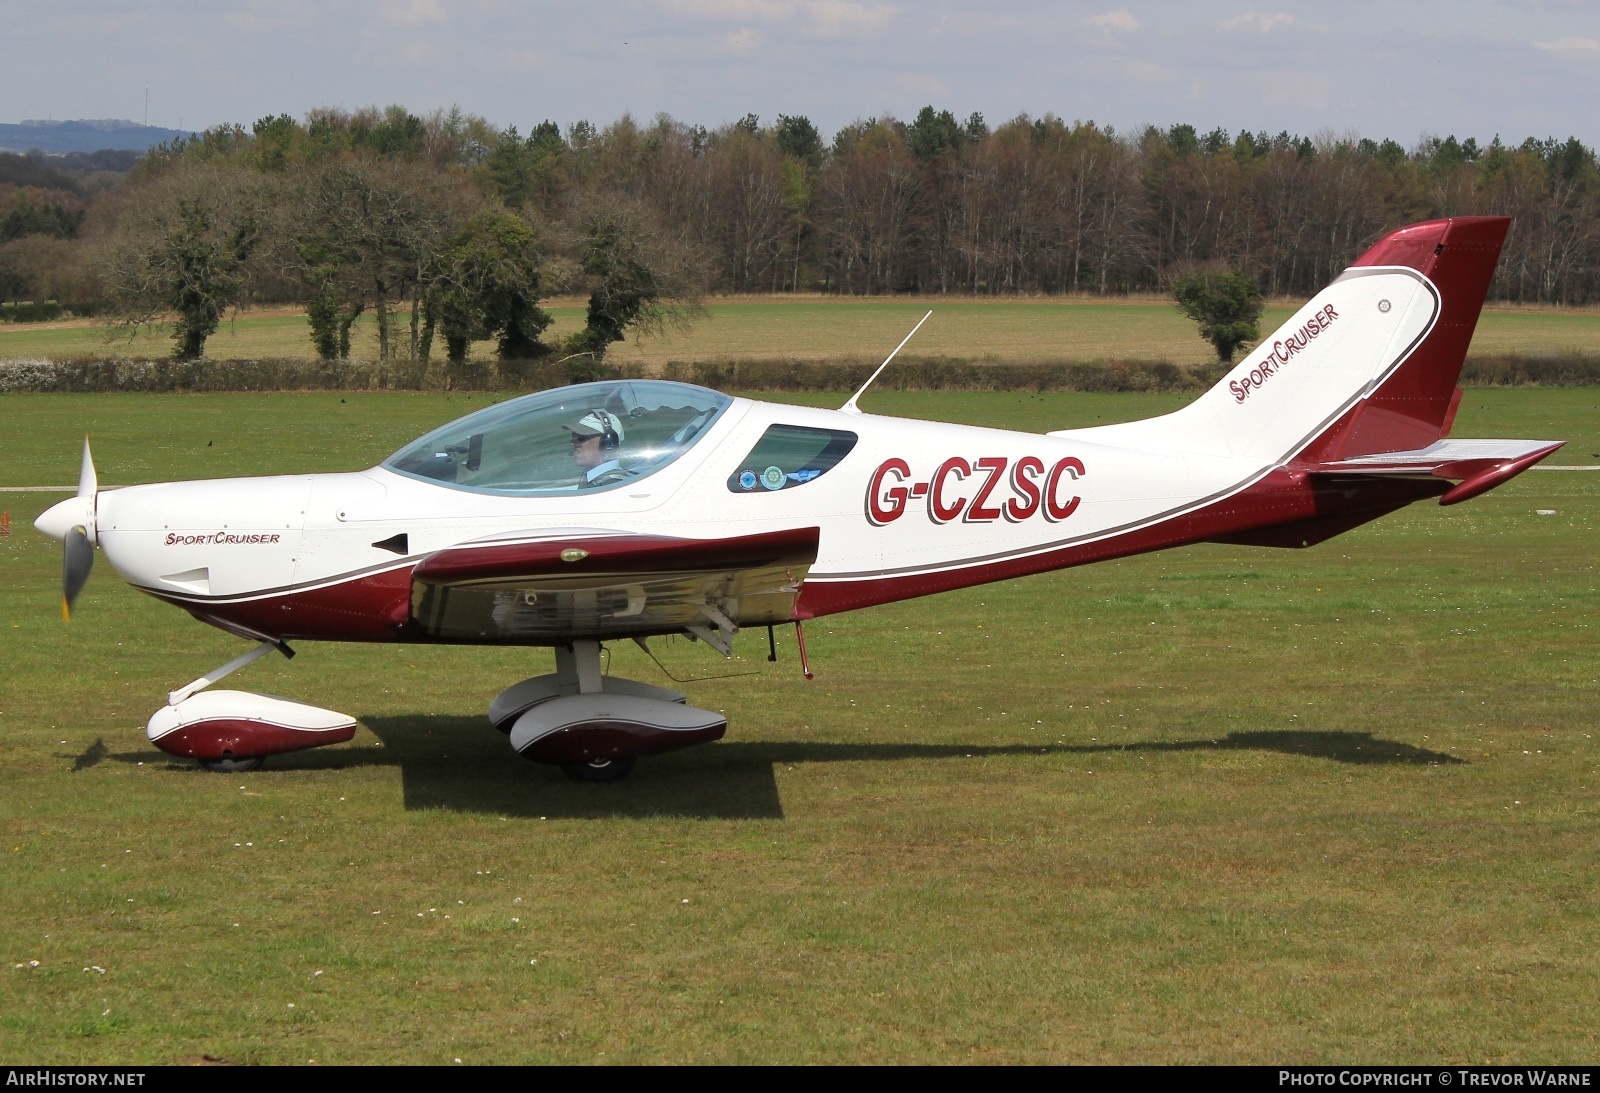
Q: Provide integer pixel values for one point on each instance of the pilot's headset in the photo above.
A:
(610, 430)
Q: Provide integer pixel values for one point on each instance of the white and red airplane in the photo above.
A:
(636, 508)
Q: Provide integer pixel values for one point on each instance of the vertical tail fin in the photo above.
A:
(1369, 365)
(1415, 404)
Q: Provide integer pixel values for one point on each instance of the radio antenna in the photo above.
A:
(851, 407)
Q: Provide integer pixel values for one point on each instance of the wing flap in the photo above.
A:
(598, 586)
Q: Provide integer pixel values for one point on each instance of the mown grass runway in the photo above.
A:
(1218, 804)
(1005, 329)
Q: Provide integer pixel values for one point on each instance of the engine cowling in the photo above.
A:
(221, 725)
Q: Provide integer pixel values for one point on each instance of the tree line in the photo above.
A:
(450, 230)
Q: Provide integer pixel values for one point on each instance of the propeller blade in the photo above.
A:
(88, 481)
(77, 561)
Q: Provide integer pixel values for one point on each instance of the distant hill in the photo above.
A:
(59, 137)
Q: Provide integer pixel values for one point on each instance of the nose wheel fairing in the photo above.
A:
(223, 726)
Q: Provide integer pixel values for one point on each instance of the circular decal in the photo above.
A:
(747, 479)
(1383, 306)
(773, 478)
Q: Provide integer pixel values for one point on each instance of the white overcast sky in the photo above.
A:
(1380, 68)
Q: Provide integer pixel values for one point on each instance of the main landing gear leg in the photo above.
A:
(578, 671)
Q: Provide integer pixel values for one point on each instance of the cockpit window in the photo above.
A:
(589, 437)
(790, 455)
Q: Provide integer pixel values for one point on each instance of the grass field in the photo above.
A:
(1218, 804)
(820, 328)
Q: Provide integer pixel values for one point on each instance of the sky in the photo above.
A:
(1404, 69)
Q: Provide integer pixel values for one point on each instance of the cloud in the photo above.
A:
(260, 18)
(1261, 21)
(1570, 45)
(411, 13)
(527, 59)
(1116, 20)
(743, 40)
(834, 18)
(816, 18)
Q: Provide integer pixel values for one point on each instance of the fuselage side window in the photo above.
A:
(787, 456)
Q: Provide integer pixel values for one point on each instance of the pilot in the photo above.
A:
(596, 436)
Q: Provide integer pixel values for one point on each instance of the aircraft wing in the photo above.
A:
(557, 587)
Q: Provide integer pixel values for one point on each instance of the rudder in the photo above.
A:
(1416, 404)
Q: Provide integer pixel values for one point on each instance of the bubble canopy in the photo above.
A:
(528, 446)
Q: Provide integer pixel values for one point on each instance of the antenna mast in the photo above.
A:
(850, 407)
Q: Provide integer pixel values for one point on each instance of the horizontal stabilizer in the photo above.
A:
(1475, 465)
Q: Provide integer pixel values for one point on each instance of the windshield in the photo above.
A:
(592, 436)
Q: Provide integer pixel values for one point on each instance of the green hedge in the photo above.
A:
(25, 312)
(940, 374)
(1512, 370)
(907, 374)
(285, 374)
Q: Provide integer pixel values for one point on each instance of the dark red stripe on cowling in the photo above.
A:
(374, 607)
(617, 554)
(1280, 498)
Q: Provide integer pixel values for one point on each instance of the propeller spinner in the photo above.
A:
(72, 522)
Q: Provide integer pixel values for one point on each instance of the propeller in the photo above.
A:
(76, 562)
(72, 522)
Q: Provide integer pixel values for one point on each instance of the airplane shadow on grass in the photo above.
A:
(459, 763)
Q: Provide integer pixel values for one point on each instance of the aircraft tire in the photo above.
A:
(233, 766)
(606, 770)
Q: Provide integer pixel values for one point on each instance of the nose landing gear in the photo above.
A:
(230, 765)
(234, 731)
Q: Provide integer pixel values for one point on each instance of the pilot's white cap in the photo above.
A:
(595, 423)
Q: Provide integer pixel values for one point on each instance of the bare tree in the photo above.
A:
(641, 277)
(181, 247)
(365, 233)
